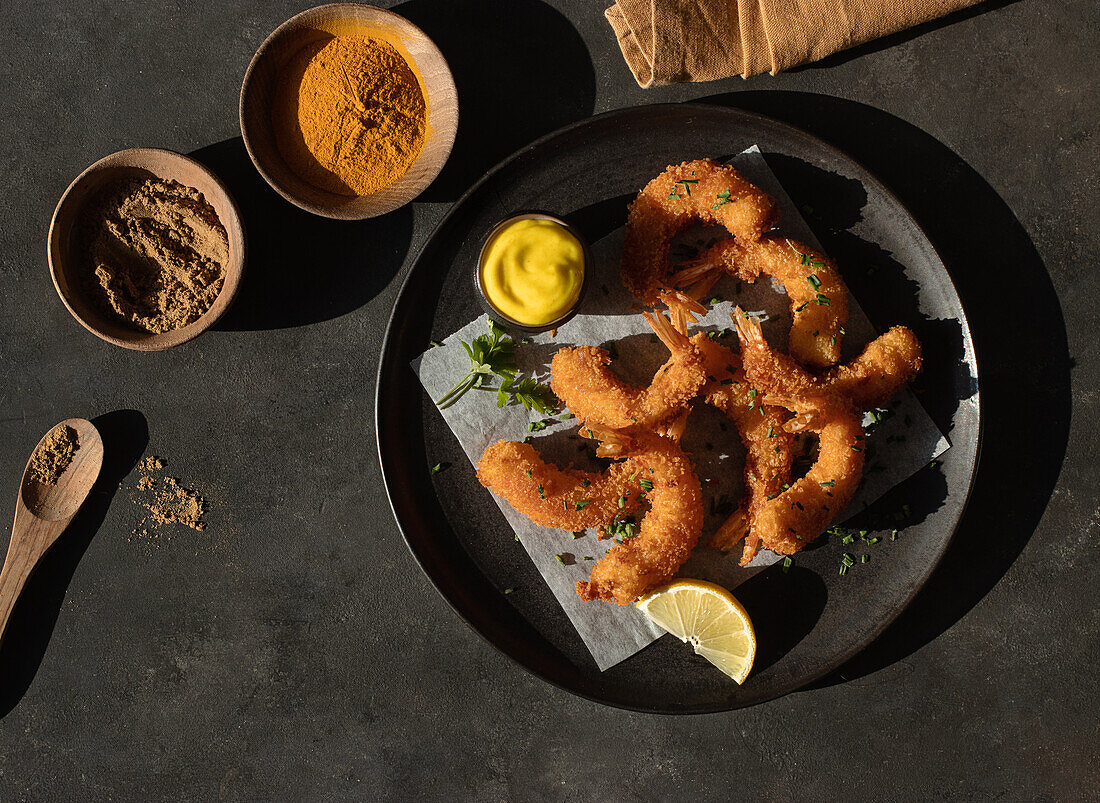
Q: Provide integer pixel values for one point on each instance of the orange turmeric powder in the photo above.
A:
(349, 115)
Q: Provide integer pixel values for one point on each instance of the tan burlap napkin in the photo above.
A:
(670, 41)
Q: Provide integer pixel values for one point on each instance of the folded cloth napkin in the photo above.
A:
(670, 41)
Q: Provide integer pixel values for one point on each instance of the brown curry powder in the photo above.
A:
(349, 115)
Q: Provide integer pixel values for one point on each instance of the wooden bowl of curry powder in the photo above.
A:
(348, 111)
(146, 248)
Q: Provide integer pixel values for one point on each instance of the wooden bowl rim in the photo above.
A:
(155, 160)
(395, 21)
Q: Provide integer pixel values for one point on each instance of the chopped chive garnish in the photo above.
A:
(435, 343)
(813, 280)
(786, 564)
(822, 300)
(542, 495)
(509, 590)
(622, 500)
(647, 485)
(528, 472)
(437, 468)
(828, 484)
(585, 483)
(559, 559)
(847, 539)
(582, 504)
(864, 558)
(801, 307)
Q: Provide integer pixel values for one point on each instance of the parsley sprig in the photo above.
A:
(492, 355)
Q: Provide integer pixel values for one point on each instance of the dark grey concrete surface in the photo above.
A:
(295, 651)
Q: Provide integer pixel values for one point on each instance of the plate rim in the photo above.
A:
(454, 209)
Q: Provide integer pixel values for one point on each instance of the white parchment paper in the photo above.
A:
(901, 445)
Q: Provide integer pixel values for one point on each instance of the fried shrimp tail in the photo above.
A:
(582, 379)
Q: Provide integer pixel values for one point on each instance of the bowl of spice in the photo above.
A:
(348, 111)
(146, 248)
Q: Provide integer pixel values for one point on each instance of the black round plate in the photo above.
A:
(810, 619)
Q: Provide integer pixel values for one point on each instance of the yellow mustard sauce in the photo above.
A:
(532, 271)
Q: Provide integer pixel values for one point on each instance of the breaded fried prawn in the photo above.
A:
(788, 521)
(654, 479)
(581, 378)
(650, 553)
(698, 191)
(563, 498)
(817, 293)
(884, 366)
(768, 446)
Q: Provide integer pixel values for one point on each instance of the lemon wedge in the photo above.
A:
(708, 616)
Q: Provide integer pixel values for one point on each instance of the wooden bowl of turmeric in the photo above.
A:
(348, 111)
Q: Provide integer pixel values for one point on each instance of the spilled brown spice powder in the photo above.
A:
(167, 501)
(54, 454)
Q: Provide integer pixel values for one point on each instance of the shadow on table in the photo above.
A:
(301, 268)
(125, 435)
(998, 275)
(521, 70)
(894, 39)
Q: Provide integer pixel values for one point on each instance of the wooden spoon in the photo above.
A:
(42, 512)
